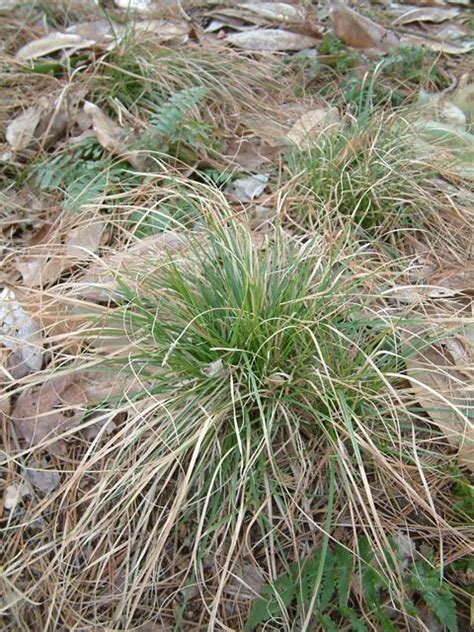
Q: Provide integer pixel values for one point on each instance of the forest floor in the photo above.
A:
(236, 316)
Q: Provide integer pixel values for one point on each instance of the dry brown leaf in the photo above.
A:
(52, 43)
(251, 153)
(44, 123)
(438, 45)
(21, 131)
(109, 133)
(100, 33)
(135, 5)
(440, 389)
(425, 3)
(358, 31)
(44, 480)
(249, 188)
(263, 12)
(99, 283)
(164, 31)
(310, 125)
(20, 332)
(40, 269)
(428, 14)
(456, 281)
(44, 412)
(42, 265)
(271, 40)
(13, 495)
(84, 240)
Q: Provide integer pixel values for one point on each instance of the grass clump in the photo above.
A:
(376, 174)
(270, 413)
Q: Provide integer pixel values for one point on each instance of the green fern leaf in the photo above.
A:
(168, 118)
(436, 594)
(273, 599)
(344, 566)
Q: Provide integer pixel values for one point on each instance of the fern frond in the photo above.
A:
(168, 117)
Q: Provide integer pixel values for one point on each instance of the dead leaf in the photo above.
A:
(271, 40)
(263, 12)
(42, 265)
(21, 131)
(428, 14)
(13, 494)
(21, 333)
(358, 31)
(246, 582)
(45, 411)
(164, 31)
(310, 125)
(44, 123)
(437, 45)
(44, 480)
(52, 43)
(456, 280)
(135, 5)
(250, 153)
(99, 283)
(247, 189)
(99, 33)
(84, 240)
(109, 133)
(440, 389)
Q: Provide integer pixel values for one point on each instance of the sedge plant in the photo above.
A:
(269, 414)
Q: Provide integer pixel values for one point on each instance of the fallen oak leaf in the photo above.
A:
(250, 153)
(100, 282)
(44, 123)
(113, 137)
(428, 14)
(358, 31)
(21, 130)
(42, 413)
(44, 480)
(437, 45)
(52, 43)
(439, 389)
(21, 333)
(84, 240)
(271, 40)
(258, 12)
(13, 495)
(109, 133)
(247, 189)
(164, 31)
(99, 33)
(44, 264)
(311, 125)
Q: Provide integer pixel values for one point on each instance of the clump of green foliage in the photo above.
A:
(171, 130)
(367, 171)
(336, 55)
(331, 573)
(416, 66)
(85, 171)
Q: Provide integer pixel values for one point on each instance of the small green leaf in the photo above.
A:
(273, 598)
